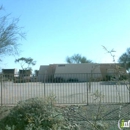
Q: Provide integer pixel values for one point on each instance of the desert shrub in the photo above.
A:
(19, 80)
(123, 77)
(4, 111)
(35, 114)
(72, 80)
(58, 80)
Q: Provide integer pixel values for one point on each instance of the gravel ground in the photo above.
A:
(81, 114)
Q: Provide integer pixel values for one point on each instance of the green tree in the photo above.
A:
(124, 59)
(25, 64)
(10, 33)
(25, 61)
(77, 58)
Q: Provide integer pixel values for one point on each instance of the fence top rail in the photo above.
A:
(68, 73)
(84, 73)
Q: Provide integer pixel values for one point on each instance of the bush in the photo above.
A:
(123, 77)
(72, 80)
(35, 114)
(21, 79)
(58, 80)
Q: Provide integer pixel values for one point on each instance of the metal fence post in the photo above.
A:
(45, 85)
(1, 88)
(129, 87)
(87, 87)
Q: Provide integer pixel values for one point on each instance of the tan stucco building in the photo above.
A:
(82, 72)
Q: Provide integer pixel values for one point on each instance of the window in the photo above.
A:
(61, 65)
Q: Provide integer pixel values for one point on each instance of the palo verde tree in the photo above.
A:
(77, 58)
(10, 33)
(124, 59)
(25, 63)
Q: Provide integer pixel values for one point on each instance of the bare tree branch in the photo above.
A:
(10, 33)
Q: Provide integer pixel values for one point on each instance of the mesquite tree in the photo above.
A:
(10, 33)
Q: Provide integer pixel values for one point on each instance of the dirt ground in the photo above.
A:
(81, 114)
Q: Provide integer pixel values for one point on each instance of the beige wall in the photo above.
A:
(112, 69)
(77, 68)
(78, 71)
(82, 72)
(46, 72)
(42, 72)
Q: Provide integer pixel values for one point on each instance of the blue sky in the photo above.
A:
(56, 29)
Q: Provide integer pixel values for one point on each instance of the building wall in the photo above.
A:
(9, 74)
(42, 72)
(51, 71)
(112, 69)
(9, 71)
(82, 72)
(23, 73)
